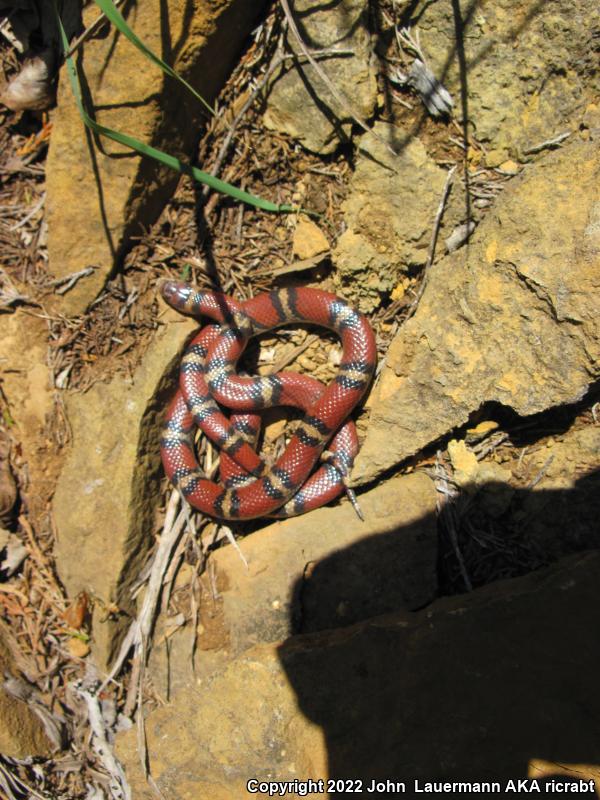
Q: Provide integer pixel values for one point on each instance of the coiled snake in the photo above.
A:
(250, 488)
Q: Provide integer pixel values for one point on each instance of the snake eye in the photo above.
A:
(175, 294)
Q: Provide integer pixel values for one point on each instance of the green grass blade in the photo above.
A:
(164, 158)
(114, 16)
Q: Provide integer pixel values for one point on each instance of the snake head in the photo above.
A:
(177, 294)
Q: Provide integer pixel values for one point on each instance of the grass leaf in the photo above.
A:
(158, 155)
(112, 13)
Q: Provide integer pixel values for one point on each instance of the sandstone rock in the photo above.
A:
(323, 570)
(107, 492)
(96, 201)
(21, 732)
(494, 685)
(389, 213)
(309, 240)
(25, 381)
(512, 319)
(299, 103)
(29, 400)
(530, 68)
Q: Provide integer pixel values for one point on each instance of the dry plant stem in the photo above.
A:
(434, 237)
(12, 787)
(90, 30)
(488, 447)
(28, 216)
(283, 362)
(141, 627)
(541, 473)
(549, 143)
(445, 511)
(439, 215)
(430, 256)
(118, 784)
(53, 592)
(168, 542)
(228, 533)
(323, 75)
(70, 280)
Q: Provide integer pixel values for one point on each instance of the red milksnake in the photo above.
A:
(250, 488)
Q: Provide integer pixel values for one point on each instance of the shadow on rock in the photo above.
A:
(495, 685)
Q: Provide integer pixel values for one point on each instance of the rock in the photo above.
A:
(512, 319)
(530, 68)
(108, 490)
(8, 485)
(309, 240)
(96, 201)
(389, 213)
(322, 570)
(299, 103)
(470, 688)
(25, 381)
(29, 401)
(21, 732)
(469, 473)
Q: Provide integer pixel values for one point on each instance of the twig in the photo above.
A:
(446, 512)
(438, 216)
(71, 280)
(9, 294)
(11, 784)
(31, 214)
(141, 628)
(283, 362)
(541, 473)
(228, 533)
(226, 144)
(433, 242)
(488, 447)
(118, 782)
(91, 29)
(536, 148)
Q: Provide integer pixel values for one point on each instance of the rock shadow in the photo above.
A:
(481, 686)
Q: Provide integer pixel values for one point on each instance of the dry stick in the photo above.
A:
(172, 529)
(434, 236)
(118, 785)
(430, 255)
(283, 362)
(444, 507)
(323, 75)
(536, 148)
(541, 473)
(90, 30)
(28, 216)
(147, 615)
(70, 280)
(10, 780)
(244, 109)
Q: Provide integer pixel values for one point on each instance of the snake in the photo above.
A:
(249, 487)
